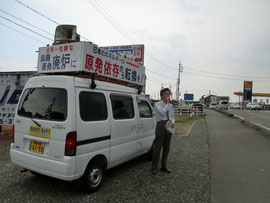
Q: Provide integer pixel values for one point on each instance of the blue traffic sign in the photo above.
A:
(188, 97)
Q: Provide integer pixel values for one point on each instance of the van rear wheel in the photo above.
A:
(94, 176)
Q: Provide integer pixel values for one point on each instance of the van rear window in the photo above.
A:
(44, 103)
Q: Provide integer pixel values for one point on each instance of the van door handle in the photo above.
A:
(134, 128)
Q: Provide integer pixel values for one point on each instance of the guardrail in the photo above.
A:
(265, 107)
(198, 111)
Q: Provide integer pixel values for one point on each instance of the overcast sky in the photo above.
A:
(220, 43)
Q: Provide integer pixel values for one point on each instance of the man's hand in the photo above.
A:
(173, 124)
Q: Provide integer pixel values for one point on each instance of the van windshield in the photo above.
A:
(44, 103)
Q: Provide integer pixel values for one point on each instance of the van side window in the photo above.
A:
(145, 110)
(122, 107)
(93, 106)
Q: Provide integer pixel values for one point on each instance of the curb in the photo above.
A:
(256, 126)
(224, 112)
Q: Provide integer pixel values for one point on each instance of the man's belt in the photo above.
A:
(162, 121)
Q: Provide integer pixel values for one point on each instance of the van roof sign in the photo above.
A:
(86, 57)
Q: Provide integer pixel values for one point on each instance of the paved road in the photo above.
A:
(239, 161)
(259, 117)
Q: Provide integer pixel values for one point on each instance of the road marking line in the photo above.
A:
(252, 122)
(239, 117)
(262, 126)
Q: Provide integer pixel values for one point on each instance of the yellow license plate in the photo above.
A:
(36, 146)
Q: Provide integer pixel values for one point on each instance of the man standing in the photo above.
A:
(163, 112)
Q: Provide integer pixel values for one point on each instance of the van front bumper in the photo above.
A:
(64, 169)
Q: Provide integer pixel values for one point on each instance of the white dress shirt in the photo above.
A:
(161, 110)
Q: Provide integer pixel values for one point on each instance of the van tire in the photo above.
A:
(93, 176)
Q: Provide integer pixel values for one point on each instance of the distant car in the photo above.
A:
(234, 106)
(253, 106)
(212, 105)
(197, 107)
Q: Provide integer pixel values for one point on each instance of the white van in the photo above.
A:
(67, 130)
(223, 104)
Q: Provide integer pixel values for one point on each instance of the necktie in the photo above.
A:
(167, 115)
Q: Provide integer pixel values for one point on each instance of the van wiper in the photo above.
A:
(35, 122)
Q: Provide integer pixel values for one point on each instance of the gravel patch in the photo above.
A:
(129, 182)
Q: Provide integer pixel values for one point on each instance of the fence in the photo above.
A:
(185, 110)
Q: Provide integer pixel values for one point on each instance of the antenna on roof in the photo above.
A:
(93, 84)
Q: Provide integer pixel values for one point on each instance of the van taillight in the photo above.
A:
(13, 132)
(71, 144)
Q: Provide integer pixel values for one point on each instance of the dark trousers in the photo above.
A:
(162, 140)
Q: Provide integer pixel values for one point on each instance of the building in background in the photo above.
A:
(214, 99)
(11, 86)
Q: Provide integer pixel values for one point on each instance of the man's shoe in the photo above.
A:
(166, 170)
(154, 171)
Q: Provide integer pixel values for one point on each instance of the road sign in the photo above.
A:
(188, 97)
(136, 51)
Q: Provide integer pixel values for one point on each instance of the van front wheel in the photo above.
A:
(94, 176)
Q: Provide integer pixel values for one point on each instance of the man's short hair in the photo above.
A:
(164, 90)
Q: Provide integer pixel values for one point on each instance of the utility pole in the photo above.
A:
(178, 82)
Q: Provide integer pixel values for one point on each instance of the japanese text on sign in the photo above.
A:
(113, 70)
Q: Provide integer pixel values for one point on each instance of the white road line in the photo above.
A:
(239, 117)
(262, 126)
(253, 122)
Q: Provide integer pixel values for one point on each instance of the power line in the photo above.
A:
(121, 21)
(118, 24)
(37, 12)
(130, 38)
(160, 74)
(26, 22)
(157, 81)
(25, 27)
(236, 79)
(231, 75)
(22, 33)
(48, 18)
(109, 19)
(106, 15)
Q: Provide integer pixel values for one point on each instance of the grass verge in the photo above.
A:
(186, 119)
